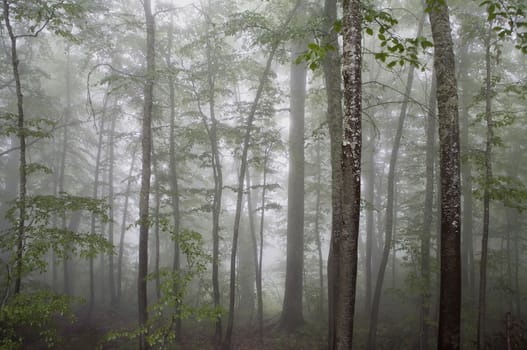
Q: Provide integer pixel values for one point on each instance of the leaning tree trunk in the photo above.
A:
(389, 219)
(447, 104)
(144, 196)
(292, 316)
(241, 178)
(487, 180)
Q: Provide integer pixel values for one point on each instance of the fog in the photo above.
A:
(171, 176)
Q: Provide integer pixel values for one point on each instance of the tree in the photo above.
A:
(390, 202)
(146, 146)
(243, 166)
(449, 168)
(487, 181)
(345, 242)
(332, 80)
(292, 316)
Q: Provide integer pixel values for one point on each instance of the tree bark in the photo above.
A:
(345, 242)
(447, 103)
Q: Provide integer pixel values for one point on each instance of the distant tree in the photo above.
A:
(292, 310)
(146, 142)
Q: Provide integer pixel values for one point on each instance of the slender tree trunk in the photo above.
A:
(369, 189)
(157, 214)
(95, 194)
(248, 260)
(146, 144)
(111, 150)
(424, 316)
(318, 238)
(124, 221)
(447, 103)
(67, 288)
(389, 223)
(174, 185)
(241, 178)
(292, 308)
(486, 197)
(218, 178)
(259, 293)
(22, 172)
(332, 80)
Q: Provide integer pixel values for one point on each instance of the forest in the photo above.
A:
(263, 174)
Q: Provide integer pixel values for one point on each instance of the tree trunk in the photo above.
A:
(259, 294)
(332, 81)
(146, 144)
(95, 194)
(123, 229)
(292, 316)
(424, 316)
(447, 103)
(157, 214)
(389, 220)
(345, 243)
(111, 150)
(486, 197)
(318, 238)
(241, 178)
(67, 288)
(22, 172)
(369, 189)
(174, 185)
(248, 263)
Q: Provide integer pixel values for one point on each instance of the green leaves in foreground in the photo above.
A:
(35, 313)
(40, 235)
(510, 18)
(394, 50)
(160, 330)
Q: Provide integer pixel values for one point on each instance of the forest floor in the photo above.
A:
(91, 334)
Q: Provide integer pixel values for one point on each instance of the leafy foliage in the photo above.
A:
(32, 313)
(395, 50)
(510, 18)
(40, 236)
(174, 287)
